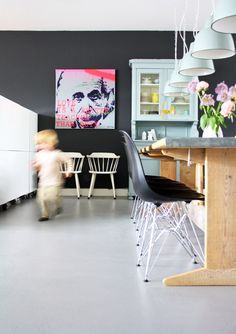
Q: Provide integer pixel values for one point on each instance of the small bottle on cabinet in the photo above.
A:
(144, 135)
(150, 135)
(155, 97)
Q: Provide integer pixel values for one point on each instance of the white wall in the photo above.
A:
(18, 126)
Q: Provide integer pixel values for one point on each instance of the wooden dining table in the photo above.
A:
(218, 155)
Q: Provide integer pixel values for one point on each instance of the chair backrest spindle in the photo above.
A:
(103, 162)
(77, 162)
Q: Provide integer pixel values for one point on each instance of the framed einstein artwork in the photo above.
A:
(85, 99)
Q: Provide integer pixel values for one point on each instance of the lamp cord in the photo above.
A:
(196, 20)
(182, 33)
(176, 41)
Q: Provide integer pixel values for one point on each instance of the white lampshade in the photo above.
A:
(224, 16)
(179, 81)
(174, 91)
(195, 66)
(210, 44)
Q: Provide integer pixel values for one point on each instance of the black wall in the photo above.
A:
(27, 76)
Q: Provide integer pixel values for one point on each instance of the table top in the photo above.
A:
(190, 142)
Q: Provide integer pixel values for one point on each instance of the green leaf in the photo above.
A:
(222, 119)
(203, 121)
(212, 122)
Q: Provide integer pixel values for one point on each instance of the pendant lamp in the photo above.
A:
(210, 44)
(178, 80)
(191, 66)
(174, 91)
(224, 16)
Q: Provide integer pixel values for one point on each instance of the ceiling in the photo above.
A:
(102, 14)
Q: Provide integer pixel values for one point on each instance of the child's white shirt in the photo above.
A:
(49, 172)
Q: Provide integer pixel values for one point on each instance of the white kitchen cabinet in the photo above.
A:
(18, 126)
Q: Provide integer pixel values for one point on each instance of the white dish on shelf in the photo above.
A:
(146, 81)
(179, 99)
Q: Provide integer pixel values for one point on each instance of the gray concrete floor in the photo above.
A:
(77, 274)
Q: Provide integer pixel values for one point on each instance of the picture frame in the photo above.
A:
(85, 99)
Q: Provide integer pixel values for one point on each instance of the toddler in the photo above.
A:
(47, 162)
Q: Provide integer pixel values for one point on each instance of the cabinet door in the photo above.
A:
(180, 107)
(149, 93)
(14, 175)
(14, 126)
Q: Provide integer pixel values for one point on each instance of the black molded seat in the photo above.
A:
(156, 190)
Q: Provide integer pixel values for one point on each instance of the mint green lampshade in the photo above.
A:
(224, 16)
(174, 91)
(195, 66)
(210, 44)
(178, 80)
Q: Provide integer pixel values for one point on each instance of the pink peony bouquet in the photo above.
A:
(215, 110)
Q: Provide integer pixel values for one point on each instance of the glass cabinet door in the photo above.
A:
(149, 91)
(179, 107)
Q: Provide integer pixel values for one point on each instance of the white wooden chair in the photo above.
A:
(102, 163)
(77, 165)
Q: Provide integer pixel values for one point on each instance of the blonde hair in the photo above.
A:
(48, 137)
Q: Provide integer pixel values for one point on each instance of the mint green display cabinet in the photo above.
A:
(154, 115)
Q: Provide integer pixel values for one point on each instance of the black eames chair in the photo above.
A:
(154, 189)
(164, 199)
(164, 184)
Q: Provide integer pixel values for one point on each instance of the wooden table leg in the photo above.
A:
(187, 174)
(220, 237)
(199, 178)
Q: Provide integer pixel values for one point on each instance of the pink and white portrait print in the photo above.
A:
(85, 99)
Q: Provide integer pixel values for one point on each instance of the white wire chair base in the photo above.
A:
(154, 226)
